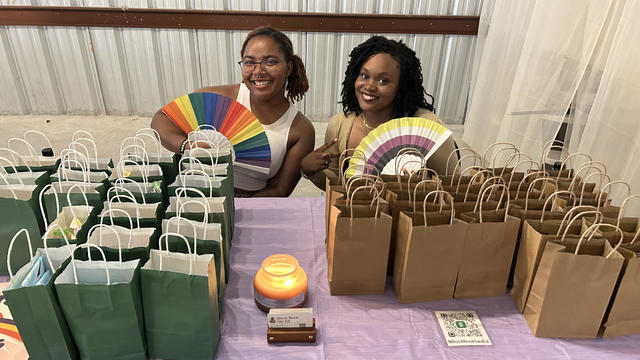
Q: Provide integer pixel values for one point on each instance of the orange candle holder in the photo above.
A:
(280, 283)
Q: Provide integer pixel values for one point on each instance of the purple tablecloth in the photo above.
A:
(372, 326)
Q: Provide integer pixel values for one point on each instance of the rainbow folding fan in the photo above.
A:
(380, 147)
(231, 119)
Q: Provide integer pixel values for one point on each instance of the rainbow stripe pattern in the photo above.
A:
(382, 144)
(231, 119)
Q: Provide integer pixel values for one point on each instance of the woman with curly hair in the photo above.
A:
(273, 77)
(383, 81)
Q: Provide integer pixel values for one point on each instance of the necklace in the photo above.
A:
(364, 122)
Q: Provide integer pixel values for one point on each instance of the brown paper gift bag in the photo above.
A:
(623, 317)
(488, 249)
(535, 235)
(428, 252)
(358, 247)
(573, 286)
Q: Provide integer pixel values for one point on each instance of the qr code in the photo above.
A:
(461, 324)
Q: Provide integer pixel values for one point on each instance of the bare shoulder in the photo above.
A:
(230, 91)
(302, 127)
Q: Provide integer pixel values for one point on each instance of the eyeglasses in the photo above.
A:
(249, 65)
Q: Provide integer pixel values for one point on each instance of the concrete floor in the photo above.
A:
(109, 131)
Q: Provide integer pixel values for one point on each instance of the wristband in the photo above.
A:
(183, 145)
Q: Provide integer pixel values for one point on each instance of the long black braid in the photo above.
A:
(411, 93)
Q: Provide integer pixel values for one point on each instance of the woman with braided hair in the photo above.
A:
(273, 77)
(383, 81)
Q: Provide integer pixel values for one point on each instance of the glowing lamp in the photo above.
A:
(280, 283)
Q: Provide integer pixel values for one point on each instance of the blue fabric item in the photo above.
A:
(38, 274)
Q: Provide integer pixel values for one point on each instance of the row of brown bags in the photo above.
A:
(472, 260)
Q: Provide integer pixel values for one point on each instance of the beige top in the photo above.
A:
(340, 127)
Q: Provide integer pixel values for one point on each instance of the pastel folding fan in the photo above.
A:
(380, 147)
(229, 118)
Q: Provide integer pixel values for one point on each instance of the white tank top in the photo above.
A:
(277, 133)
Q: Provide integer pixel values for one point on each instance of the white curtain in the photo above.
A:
(540, 56)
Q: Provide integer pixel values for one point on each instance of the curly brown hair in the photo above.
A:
(297, 82)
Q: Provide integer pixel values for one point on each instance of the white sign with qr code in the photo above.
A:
(462, 328)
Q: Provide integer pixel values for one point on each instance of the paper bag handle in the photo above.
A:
(15, 196)
(471, 181)
(13, 239)
(367, 178)
(45, 137)
(623, 208)
(73, 265)
(456, 151)
(110, 212)
(101, 225)
(144, 173)
(166, 239)
(375, 198)
(415, 190)
(30, 148)
(344, 157)
(591, 230)
(45, 237)
(406, 152)
(442, 195)
(576, 217)
(584, 184)
(507, 163)
(546, 180)
(122, 180)
(507, 145)
(183, 191)
(529, 161)
(193, 230)
(184, 175)
(10, 164)
(153, 140)
(459, 166)
(129, 197)
(553, 196)
(534, 175)
(13, 156)
(61, 168)
(610, 185)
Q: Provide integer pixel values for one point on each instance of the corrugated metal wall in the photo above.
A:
(50, 70)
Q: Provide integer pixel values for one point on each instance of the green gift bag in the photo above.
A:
(83, 143)
(123, 243)
(203, 238)
(35, 308)
(142, 172)
(51, 202)
(144, 214)
(75, 220)
(103, 307)
(142, 191)
(180, 307)
(18, 210)
(74, 169)
(32, 161)
(201, 208)
(216, 186)
(148, 137)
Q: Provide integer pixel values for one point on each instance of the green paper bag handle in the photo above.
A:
(591, 230)
(73, 265)
(166, 239)
(190, 222)
(96, 226)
